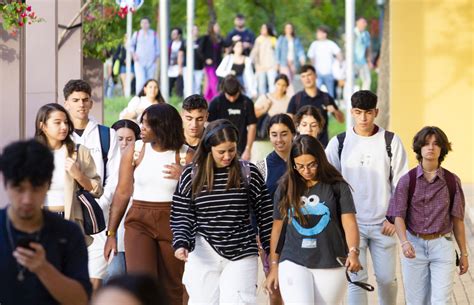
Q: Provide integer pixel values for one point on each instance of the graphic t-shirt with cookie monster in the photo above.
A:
(318, 242)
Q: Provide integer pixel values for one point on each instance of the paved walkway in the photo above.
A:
(463, 285)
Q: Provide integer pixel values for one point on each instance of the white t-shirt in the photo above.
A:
(322, 54)
(55, 195)
(365, 166)
(136, 105)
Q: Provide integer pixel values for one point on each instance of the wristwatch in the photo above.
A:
(109, 233)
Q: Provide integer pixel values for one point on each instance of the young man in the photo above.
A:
(87, 132)
(231, 104)
(145, 48)
(241, 33)
(322, 53)
(311, 95)
(428, 208)
(43, 258)
(372, 160)
(177, 59)
(194, 116)
(362, 54)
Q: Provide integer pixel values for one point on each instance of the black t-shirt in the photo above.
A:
(80, 132)
(241, 113)
(65, 249)
(320, 101)
(316, 244)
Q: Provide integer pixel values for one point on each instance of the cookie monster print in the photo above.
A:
(312, 206)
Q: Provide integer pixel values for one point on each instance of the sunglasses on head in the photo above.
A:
(365, 286)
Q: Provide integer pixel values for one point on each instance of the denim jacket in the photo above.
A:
(281, 52)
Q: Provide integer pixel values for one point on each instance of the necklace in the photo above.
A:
(429, 172)
(21, 269)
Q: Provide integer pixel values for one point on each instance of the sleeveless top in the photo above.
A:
(149, 182)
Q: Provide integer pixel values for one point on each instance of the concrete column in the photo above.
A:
(70, 50)
(11, 93)
(41, 68)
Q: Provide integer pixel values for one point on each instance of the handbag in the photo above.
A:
(94, 221)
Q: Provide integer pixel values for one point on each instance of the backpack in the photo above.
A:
(104, 136)
(388, 147)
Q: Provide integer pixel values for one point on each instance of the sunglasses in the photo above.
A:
(365, 286)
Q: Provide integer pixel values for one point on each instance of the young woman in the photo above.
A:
(309, 121)
(428, 209)
(275, 102)
(211, 48)
(73, 166)
(281, 131)
(316, 205)
(149, 95)
(210, 220)
(263, 57)
(127, 133)
(289, 52)
(239, 65)
(150, 169)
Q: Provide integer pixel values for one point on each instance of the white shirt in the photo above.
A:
(322, 53)
(136, 105)
(365, 166)
(55, 195)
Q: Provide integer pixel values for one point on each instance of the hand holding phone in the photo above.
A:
(24, 242)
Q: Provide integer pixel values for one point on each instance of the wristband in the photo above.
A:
(110, 233)
(274, 263)
(465, 254)
(355, 250)
(405, 242)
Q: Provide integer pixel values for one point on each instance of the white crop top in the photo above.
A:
(149, 182)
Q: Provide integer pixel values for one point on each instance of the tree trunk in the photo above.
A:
(383, 90)
(212, 10)
(93, 73)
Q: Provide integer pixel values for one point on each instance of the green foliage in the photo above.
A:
(16, 14)
(306, 15)
(103, 29)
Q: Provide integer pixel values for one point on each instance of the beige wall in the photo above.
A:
(432, 48)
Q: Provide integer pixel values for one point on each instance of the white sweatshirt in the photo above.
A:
(365, 166)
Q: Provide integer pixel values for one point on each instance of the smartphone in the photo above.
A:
(24, 242)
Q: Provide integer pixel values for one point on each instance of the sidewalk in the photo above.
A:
(463, 285)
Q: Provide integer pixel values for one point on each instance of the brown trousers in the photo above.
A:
(148, 248)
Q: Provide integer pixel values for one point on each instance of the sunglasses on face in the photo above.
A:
(365, 286)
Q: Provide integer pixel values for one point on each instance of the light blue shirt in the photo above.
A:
(361, 43)
(146, 47)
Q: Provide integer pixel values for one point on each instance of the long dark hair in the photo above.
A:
(282, 118)
(158, 97)
(217, 132)
(419, 140)
(43, 115)
(166, 124)
(293, 185)
(215, 38)
(312, 111)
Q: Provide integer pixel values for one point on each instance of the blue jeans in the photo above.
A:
(383, 250)
(117, 266)
(328, 81)
(266, 81)
(142, 74)
(428, 278)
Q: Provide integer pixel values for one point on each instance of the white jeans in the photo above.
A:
(383, 250)
(211, 279)
(363, 73)
(428, 278)
(303, 286)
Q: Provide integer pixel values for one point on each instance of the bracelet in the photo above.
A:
(355, 250)
(465, 254)
(274, 262)
(405, 242)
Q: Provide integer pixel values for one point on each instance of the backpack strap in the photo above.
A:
(181, 155)
(388, 147)
(137, 151)
(298, 97)
(340, 139)
(411, 185)
(104, 136)
(451, 184)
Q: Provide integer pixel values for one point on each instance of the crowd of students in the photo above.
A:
(184, 205)
(255, 60)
